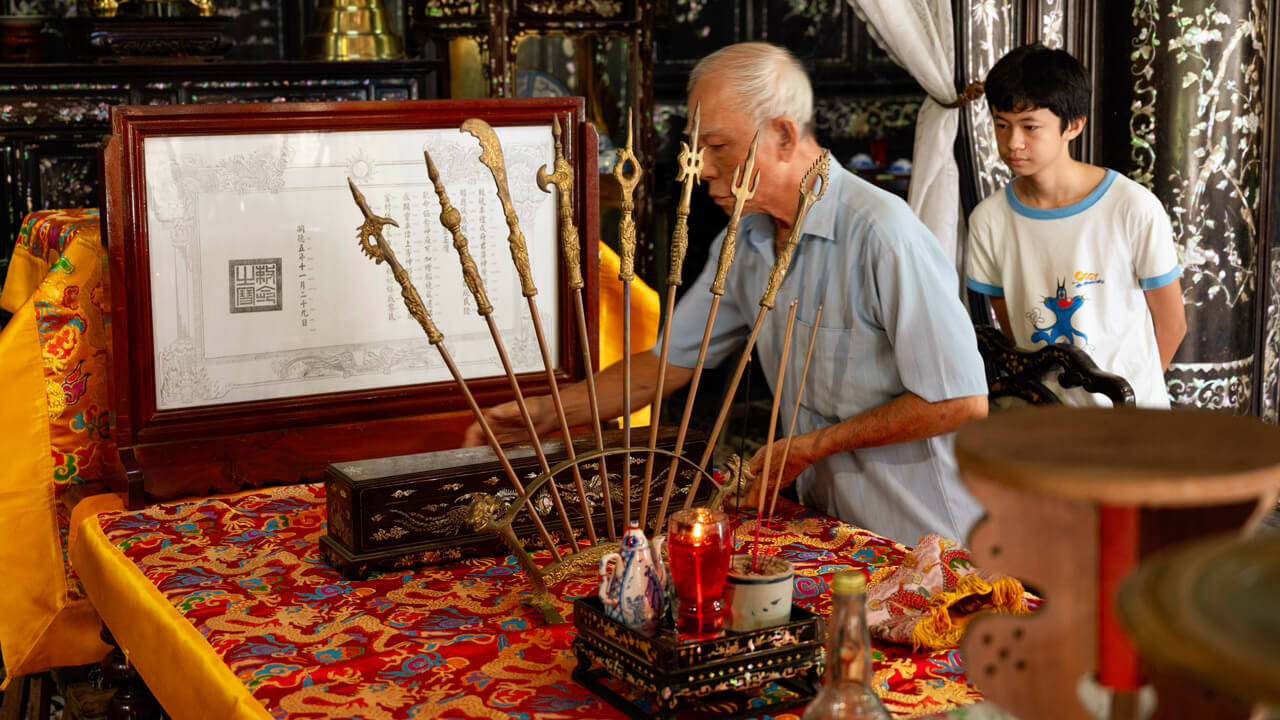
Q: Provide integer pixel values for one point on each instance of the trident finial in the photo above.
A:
(690, 154)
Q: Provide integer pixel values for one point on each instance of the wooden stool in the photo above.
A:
(1211, 610)
(1074, 497)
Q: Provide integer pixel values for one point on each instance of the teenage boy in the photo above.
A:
(1069, 252)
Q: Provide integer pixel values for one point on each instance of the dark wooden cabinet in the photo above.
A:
(53, 116)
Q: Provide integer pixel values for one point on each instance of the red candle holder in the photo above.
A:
(699, 544)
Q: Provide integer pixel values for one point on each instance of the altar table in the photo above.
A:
(228, 609)
(56, 424)
(225, 604)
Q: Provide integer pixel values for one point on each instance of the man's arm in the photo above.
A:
(508, 425)
(1002, 316)
(905, 418)
(1169, 319)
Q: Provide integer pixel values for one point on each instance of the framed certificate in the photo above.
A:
(247, 323)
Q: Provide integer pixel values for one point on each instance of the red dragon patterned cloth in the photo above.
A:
(228, 609)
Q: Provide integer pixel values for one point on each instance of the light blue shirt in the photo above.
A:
(891, 323)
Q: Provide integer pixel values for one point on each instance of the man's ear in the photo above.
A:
(1074, 128)
(788, 135)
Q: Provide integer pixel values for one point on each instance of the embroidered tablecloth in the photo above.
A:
(228, 610)
(56, 424)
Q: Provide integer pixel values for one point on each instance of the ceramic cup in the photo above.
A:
(758, 600)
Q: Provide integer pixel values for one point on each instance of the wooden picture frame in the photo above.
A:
(265, 431)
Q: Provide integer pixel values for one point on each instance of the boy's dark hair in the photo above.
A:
(1034, 76)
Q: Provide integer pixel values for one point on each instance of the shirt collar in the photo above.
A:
(820, 222)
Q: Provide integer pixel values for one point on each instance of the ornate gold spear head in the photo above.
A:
(746, 178)
(371, 228)
(690, 174)
(626, 226)
(816, 174)
(491, 156)
(690, 158)
(562, 180)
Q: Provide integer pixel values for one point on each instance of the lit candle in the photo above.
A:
(699, 544)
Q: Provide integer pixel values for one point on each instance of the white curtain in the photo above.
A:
(919, 36)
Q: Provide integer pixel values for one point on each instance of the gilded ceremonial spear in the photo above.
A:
(380, 250)
(745, 180)
(808, 196)
(562, 180)
(690, 173)
(452, 220)
(491, 156)
(626, 273)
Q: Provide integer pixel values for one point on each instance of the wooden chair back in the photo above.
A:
(1021, 374)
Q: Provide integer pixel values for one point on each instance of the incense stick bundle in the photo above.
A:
(795, 412)
(376, 247)
(773, 425)
(491, 156)
(745, 180)
(690, 173)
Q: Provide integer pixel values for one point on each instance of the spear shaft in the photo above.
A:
(745, 180)
(380, 250)
(816, 174)
(491, 157)
(562, 181)
(626, 274)
(690, 173)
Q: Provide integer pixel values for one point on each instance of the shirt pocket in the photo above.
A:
(828, 389)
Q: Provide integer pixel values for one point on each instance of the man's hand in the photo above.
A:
(798, 459)
(508, 425)
(905, 418)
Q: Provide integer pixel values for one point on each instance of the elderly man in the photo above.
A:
(895, 365)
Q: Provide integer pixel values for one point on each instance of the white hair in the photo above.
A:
(766, 78)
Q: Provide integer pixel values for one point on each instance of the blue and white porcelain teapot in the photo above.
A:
(632, 593)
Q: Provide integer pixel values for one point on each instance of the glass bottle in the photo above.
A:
(846, 689)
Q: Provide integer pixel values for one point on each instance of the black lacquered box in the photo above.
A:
(678, 674)
(400, 512)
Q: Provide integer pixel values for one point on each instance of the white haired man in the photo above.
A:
(895, 364)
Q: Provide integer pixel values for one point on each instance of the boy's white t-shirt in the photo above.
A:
(1076, 275)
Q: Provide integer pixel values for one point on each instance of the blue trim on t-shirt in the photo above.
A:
(1057, 213)
(985, 289)
(1152, 283)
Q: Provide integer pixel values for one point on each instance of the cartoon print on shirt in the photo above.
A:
(1063, 308)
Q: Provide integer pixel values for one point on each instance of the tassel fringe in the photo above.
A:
(941, 629)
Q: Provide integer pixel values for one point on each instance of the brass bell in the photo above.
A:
(351, 30)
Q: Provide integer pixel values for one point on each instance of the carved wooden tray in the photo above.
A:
(675, 673)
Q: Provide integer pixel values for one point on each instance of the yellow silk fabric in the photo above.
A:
(23, 277)
(183, 672)
(54, 438)
(645, 313)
